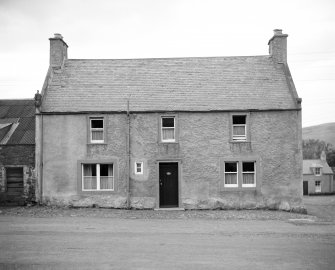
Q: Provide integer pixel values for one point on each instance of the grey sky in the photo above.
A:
(171, 28)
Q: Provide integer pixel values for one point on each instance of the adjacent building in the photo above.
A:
(317, 176)
(191, 133)
(17, 152)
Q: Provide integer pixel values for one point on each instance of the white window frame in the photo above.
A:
(254, 172)
(317, 186)
(97, 129)
(98, 177)
(317, 171)
(239, 138)
(237, 169)
(141, 167)
(174, 129)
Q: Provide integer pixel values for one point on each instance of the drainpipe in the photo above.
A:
(128, 156)
(41, 162)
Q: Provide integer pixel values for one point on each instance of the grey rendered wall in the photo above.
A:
(203, 144)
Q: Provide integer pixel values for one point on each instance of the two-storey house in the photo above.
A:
(192, 133)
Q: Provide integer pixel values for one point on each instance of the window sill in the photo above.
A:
(98, 192)
(168, 142)
(104, 143)
(238, 189)
(231, 141)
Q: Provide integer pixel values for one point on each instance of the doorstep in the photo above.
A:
(170, 209)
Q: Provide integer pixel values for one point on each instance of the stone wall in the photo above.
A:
(22, 156)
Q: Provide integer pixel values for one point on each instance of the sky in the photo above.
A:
(117, 29)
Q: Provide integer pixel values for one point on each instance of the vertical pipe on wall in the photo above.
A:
(128, 155)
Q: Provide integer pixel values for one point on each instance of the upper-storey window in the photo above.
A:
(318, 171)
(97, 130)
(168, 129)
(239, 130)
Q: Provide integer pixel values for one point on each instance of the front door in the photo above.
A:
(168, 184)
(305, 187)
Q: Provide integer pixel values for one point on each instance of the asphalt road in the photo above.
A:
(116, 243)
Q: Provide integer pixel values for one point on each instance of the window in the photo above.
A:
(168, 129)
(138, 167)
(248, 174)
(97, 177)
(317, 186)
(239, 130)
(97, 130)
(230, 174)
(317, 171)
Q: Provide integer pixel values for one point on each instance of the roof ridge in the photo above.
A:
(168, 58)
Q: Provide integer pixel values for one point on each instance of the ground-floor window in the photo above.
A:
(97, 177)
(235, 177)
(317, 186)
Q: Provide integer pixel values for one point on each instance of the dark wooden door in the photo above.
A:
(14, 180)
(168, 184)
(305, 187)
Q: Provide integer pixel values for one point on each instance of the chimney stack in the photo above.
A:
(58, 51)
(278, 46)
(323, 156)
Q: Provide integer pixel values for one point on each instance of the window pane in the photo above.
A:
(106, 182)
(168, 122)
(248, 178)
(97, 135)
(248, 166)
(97, 123)
(230, 167)
(168, 134)
(230, 178)
(138, 167)
(90, 170)
(239, 119)
(106, 169)
(239, 130)
(90, 182)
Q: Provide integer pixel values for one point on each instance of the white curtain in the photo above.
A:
(107, 181)
(230, 178)
(168, 133)
(248, 178)
(97, 135)
(90, 181)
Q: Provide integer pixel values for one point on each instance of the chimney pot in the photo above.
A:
(278, 32)
(58, 36)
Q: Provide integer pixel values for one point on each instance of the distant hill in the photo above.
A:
(324, 132)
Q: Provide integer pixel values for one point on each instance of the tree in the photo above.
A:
(311, 149)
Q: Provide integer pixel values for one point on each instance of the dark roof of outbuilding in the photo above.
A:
(309, 164)
(17, 121)
(172, 84)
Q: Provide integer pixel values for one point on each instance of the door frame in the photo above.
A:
(179, 162)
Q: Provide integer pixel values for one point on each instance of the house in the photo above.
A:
(17, 152)
(189, 133)
(317, 176)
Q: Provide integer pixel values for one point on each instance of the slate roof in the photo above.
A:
(312, 163)
(172, 84)
(17, 121)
